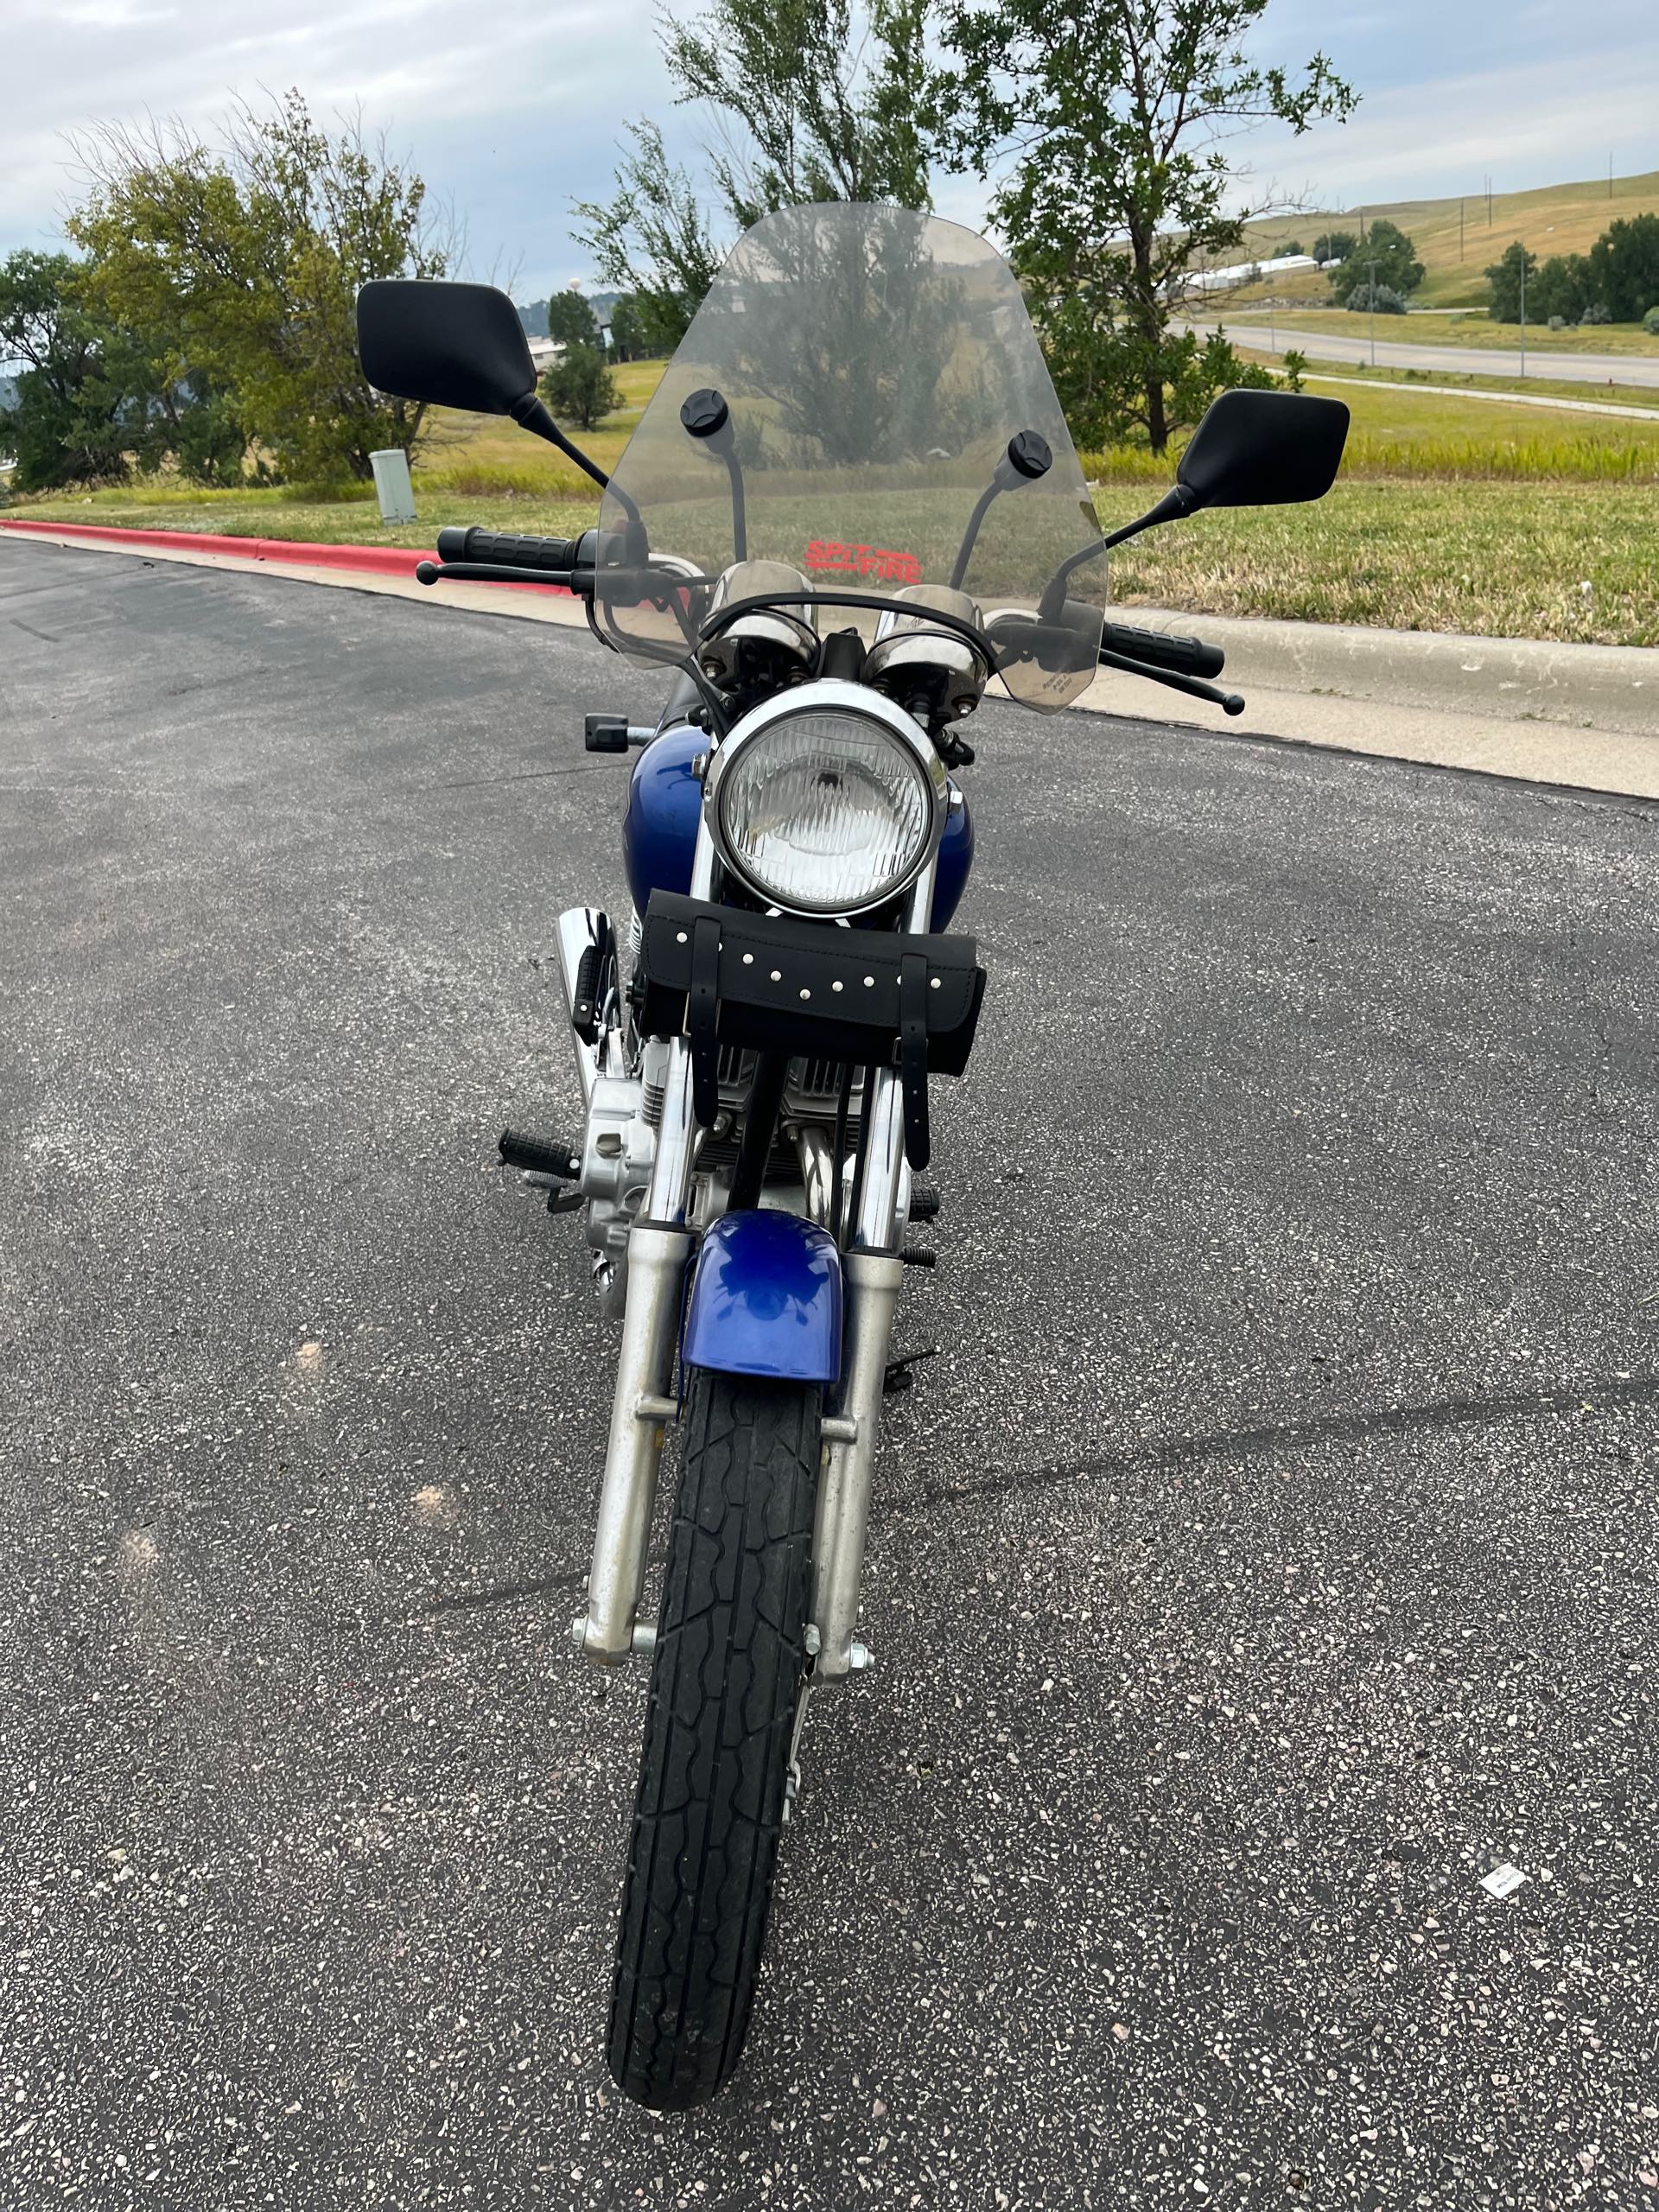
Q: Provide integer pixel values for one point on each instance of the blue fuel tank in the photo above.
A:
(666, 802)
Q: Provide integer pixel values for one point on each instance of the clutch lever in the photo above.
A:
(1192, 687)
(579, 581)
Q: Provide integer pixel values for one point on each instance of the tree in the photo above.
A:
(1624, 267)
(1110, 118)
(1388, 257)
(1561, 288)
(653, 240)
(1291, 246)
(1505, 276)
(571, 321)
(1376, 299)
(809, 99)
(580, 388)
(628, 329)
(65, 424)
(246, 260)
(1334, 245)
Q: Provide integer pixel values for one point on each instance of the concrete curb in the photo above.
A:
(1398, 695)
(275, 551)
(1612, 687)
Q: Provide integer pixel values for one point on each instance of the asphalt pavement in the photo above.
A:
(1552, 363)
(1268, 1556)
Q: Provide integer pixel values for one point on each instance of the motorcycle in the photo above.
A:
(851, 507)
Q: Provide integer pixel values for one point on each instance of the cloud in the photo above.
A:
(511, 116)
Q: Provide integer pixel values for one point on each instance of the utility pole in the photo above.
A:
(1524, 310)
(1459, 230)
(1489, 203)
(1372, 266)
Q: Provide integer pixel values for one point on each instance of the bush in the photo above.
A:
(1596, 312)
(580, 388)
(1650, 322)
(1385, 299)
(1558, 322)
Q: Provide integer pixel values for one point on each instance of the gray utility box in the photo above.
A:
(392, 482)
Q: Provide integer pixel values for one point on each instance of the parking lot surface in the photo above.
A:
(1268, 1554)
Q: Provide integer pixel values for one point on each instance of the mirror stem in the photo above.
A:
(1175, 502)
(531, 414)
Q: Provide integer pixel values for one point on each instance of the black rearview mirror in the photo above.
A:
(450, 344)
(1263, 449)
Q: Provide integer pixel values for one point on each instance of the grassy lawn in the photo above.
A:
(1451, 515)
(1573, 561)
(1472, 328)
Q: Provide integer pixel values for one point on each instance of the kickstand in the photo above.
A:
(792, 1778)
(898, 1377)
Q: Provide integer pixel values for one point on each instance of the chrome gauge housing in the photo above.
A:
(829, 800)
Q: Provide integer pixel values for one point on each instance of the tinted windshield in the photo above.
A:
(875, 363)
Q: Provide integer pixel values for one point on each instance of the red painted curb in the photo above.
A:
(361, 560)
(375, 560)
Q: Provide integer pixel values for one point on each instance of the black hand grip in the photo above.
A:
(1183, 656)
(489, 549)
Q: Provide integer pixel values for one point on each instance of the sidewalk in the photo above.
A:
(1583, 716)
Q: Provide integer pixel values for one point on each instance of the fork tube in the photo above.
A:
(659, 1245)
(874, 1272)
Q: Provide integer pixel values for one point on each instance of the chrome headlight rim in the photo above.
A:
(830, 695)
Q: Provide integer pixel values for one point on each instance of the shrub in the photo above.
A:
(1596, 312)
(1558, 322)
(580, 388)
(1650, 322)
(1385, 299)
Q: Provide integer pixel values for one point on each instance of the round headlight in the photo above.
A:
(824, 811)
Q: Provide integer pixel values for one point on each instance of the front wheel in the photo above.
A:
(730, 1648)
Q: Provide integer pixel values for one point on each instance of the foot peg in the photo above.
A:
(924, 1204)
(536, 1157)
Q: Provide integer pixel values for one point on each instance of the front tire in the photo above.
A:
(730, 1648)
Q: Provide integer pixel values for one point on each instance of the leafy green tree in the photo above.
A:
(246, 258)
(579, 388)
(1624, 267)
(627, 330)
(1388, 257)
(571, 321)
(69, 420)
(653, 238)
(1334, 245)
(810, 99)
(1504, 276)
(1109, 121)
(1561, 288)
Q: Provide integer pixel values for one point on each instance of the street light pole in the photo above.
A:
(1524, 311)
(1372, 266)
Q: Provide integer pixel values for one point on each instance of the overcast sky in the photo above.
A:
(513, 112)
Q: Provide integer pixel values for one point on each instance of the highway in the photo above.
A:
(1558, 367)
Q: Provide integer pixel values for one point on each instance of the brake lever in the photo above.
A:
(1191, 687)
(579, 581)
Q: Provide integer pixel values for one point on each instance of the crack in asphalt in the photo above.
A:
(1250, 1443)
(1391, 1420)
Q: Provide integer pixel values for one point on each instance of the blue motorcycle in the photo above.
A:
(851, 509)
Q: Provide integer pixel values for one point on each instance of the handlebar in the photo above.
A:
(1154, 649)
(488, 549)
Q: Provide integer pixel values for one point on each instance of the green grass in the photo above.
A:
(1451, 515)
(1497, 560)
(1470, 329)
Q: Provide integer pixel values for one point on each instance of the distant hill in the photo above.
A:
(1554, 218)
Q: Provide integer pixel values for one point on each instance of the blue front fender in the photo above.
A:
(766, 1300)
